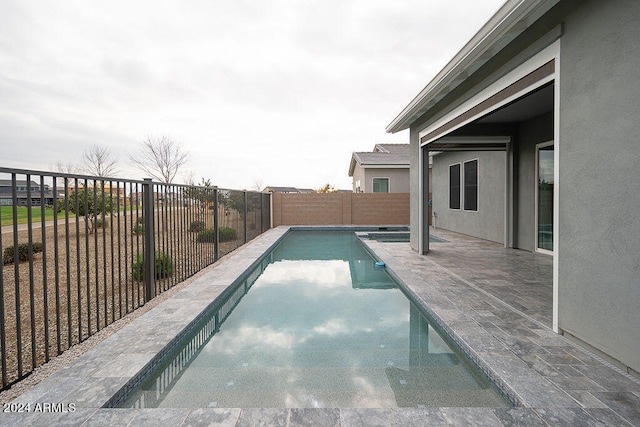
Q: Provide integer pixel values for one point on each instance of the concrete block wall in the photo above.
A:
(340, 209)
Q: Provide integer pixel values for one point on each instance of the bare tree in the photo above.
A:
(63, 167)
(98, 160)
(161, 158)
(189, 178)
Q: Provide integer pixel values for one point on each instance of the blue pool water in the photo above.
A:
(317, 324)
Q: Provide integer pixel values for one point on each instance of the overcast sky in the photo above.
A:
(279, 92)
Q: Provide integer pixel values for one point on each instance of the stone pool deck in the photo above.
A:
(496, 303)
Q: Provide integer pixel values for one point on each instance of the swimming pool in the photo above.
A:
(315, 324)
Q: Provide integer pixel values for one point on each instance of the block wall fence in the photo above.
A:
(340, 209)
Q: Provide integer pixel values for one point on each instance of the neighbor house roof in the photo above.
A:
(9, 183)
(383, 155)
(511, 20)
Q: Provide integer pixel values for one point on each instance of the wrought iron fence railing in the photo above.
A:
(75, 252)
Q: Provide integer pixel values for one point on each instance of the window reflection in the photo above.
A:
(545, 197)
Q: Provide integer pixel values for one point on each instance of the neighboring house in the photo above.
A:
(22, 194)
(287, 190)
(116, 193)
(537, 122)
(384, 170)
(136, 199)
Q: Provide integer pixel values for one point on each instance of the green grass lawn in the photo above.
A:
(6, 215)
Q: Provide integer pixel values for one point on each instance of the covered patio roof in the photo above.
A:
(513, 18)
(492, 132)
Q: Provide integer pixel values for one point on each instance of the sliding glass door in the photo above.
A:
(544, 196)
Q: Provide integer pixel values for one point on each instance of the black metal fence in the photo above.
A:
(75, 252)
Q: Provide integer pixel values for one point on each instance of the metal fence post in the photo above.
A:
(261, 213)
(270, 223)
(216, 241)
(149, 274)
(245, 216)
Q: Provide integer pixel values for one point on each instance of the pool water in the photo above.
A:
(318, 325)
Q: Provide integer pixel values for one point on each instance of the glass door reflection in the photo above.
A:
(544, 199)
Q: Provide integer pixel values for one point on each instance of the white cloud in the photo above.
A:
(281, 91)
(319, 274)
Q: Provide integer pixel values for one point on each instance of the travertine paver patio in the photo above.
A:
(496, 303)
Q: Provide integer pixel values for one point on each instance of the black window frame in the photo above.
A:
(454, 186)
(470, 185)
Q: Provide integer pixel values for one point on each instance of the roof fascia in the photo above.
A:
(511, 20)
(352, 165)
(387, 166)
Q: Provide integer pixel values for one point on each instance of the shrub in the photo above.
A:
(102, 224)
(83, 202)
(164, 266)
(206, 236)
(23, 252)
(138, 227)
(225, 234)
(196, 226)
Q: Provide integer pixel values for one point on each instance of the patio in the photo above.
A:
(499, 303)
(495, 302)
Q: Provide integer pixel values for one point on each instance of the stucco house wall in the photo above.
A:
(599, 230)
(398, 179)
(488, 221)
(359, 179)
(414, 188)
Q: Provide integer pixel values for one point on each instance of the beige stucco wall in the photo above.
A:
(341, 209)
(398, 178)
(358, 175)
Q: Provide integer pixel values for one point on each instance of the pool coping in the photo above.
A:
(79, 390)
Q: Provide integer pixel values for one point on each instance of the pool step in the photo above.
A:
(380, 356)
(291, 387)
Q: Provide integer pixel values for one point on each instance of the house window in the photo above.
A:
(454, 186)
(471, 185)
(380, 185)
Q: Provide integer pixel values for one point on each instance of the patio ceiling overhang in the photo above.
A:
(469, 143)
(492, 131)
